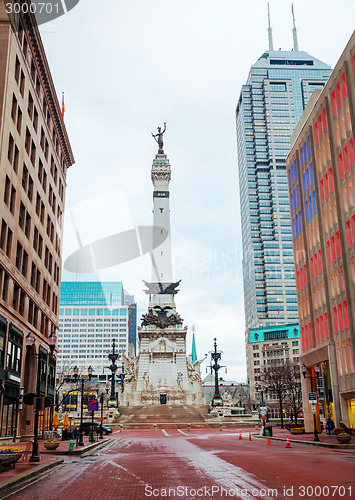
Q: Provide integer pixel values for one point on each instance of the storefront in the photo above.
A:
(11, 377)
(351, 412)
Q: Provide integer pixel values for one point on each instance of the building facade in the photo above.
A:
(321, 169)
(35, 154)
(271, 346)
(278, 88)
(91, 316)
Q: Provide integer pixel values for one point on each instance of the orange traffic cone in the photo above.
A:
(268, 440)
(240, 435)
(249, 436)
(288, 443)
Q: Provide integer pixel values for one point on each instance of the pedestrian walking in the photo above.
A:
(330, 426)
(77, 436)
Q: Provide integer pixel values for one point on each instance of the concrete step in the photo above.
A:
(161, 414)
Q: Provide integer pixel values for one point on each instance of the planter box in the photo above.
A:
(297, 431)
(344, 439)
(51, 446)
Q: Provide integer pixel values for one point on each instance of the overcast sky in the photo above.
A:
(128, 66)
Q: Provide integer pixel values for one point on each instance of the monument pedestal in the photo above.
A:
(162, 374)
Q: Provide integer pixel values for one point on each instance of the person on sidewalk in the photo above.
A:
(330, 426)
(77, 435)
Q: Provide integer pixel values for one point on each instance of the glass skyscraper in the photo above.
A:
(91, 315)
(93, 293)
(278, 88)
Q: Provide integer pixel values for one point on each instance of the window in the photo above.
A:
(13, 361)
(12, 200)
(21, 218)
(7, 190)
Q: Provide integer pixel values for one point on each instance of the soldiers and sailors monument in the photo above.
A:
(162, 372)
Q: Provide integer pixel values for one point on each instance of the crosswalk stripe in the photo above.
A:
(163, 430)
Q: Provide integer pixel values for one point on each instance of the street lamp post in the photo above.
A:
(113, 356)
(30, 340)
(215, 357)
(311, 378)
(122, 377)
(263, 388)
(82, 379)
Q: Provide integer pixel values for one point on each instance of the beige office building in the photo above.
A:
(35, 154)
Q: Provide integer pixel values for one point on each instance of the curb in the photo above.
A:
(24, 476)
(78, 451)
(313, 443)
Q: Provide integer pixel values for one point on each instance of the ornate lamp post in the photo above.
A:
(113, 356)
(311, 378)
(122, 377)
(215, 357)
(37, 400)
(263, 388)
(82, 379)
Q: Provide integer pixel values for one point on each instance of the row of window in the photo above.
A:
(34, 315)
(35, 77)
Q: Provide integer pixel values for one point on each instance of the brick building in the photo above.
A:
(34, 154)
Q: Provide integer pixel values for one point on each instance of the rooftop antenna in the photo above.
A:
(271, 45)
(294, 31)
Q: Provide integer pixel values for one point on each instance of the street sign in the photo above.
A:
(263, 411)
(313, 409)
(93, 405)
(101, 419)
(263, 417)
(312, 397)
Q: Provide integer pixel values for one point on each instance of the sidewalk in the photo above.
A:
(324, 440)
(25, 469)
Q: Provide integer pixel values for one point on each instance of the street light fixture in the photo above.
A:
(52, 341)
(82, 379)
(215, 357)
(37, 400)
(311, 378)
(263, 388)
(113, 356)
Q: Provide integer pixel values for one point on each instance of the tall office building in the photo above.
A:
(35, 154)
(91, 315)
(321, 169)
(132, 323)
(278, 89)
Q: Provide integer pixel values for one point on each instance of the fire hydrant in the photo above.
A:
(71, 445)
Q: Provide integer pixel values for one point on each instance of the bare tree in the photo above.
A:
(293, 395)
(276, 378)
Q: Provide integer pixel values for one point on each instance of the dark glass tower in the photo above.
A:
(277, 91)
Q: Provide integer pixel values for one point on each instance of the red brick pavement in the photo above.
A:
(144, 464)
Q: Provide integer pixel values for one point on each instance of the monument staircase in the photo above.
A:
(166, 416)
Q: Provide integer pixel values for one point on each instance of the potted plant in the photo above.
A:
(11, 450)
(51, 444)
(343, 437)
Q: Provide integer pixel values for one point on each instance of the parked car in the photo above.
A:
(87, 426)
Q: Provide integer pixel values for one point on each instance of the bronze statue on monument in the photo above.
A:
(159, 139)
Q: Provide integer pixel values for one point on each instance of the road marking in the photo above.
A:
(164, 431)
(182, 432)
